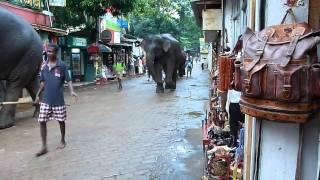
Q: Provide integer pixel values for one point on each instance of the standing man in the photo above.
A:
(52, 105)
(236, 117)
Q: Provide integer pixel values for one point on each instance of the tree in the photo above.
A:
(85, 12)
(167, 16)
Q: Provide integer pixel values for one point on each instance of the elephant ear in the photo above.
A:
(166, 45)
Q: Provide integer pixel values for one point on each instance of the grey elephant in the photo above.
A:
(164, 53)
(21, 56)
(2, 90)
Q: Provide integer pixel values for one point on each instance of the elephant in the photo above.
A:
(2, 90)
(21, 57)
(163, 52)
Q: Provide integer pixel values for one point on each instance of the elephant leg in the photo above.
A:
(170, 74)
(174, 79)
(157, 76)
(7, 113)
(33, 88)
(160, 88)
(2, 90)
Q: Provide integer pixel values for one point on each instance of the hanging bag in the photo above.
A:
(279, 75)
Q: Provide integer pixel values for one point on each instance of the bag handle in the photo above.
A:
(237, 48)
(289, 11)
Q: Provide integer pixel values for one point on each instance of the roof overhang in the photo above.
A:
(49, 29)
(117, 45)
(199, 5)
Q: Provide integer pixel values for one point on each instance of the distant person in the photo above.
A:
(189, 66)
(131, 65)
(118, 68)
(52, 105)
(202, 64)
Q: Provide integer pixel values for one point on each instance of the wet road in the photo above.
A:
(131, 134)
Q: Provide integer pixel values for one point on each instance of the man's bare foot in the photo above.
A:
(42, 152)
(62, 145)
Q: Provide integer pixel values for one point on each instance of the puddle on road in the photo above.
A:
(195, 114)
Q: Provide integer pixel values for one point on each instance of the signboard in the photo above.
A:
(203, 46)
(212, 19)
(61, 3)
(106, 36)
(110, 28)
(77, 42)
(122, 23)
(116, 37)
(109, 22)
(31, 3)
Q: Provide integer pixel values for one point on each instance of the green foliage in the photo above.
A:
(145, 16)
(85, 12)
(167, 16)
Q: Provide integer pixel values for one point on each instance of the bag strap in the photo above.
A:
(289, 11)
(259, 53)
(238, 46)
(298, 32)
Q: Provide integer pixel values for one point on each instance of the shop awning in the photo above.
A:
(120, 44)
(96, 48)
(49, 29)
(104, 48)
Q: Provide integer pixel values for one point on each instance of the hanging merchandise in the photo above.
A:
(279, 75)
(226, 67)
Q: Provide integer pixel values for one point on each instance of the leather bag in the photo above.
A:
(279, 74)
(226, 71)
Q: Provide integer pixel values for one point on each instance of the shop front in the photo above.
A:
(101, 57)
(75, 56)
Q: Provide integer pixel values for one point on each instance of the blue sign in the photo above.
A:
(122, 23)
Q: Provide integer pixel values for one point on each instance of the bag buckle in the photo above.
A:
(259, 51)
(287, 91)
(247, 85)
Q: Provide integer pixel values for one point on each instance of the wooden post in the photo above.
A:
(249, 119)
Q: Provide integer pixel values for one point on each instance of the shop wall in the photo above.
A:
(235, 21)
(279, 150)
(314, 17)
(311, 140)
(280, 141)
(275, 10)
(209, 58)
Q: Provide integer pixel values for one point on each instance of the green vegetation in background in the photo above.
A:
(167, 16)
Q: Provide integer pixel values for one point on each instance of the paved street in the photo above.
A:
(129, 134)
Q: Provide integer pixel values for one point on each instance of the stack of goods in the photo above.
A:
(222, 161)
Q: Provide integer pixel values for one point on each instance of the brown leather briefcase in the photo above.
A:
(279, 75)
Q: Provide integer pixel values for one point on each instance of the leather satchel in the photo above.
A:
(226, 71)
(279, 74)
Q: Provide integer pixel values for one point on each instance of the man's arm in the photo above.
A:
(71, 89)
(69, 80)
(39, 92)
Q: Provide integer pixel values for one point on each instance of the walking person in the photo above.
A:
(202, 63)
(52, 105)
(189, 65)
(118, 68)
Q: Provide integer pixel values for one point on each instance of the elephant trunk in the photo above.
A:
(154, 71)
(170, 70)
